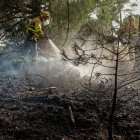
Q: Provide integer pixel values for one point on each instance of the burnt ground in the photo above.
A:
(28, 112)
(31, 110)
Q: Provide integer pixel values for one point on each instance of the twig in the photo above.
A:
(71, 115)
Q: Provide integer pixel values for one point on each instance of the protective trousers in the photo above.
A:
(31, 50)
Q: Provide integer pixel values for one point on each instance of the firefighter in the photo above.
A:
(131, 27)
(131, 21)
(128, 34)
(33, 32)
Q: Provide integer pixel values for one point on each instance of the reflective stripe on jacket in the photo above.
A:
(35, 27)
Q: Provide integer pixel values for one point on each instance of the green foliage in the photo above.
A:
(73, 12)
(106, 11)
(68, 16)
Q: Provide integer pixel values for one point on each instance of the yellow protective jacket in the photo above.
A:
(128, 29)
(34, 28)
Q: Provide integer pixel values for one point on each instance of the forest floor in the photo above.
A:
(32, 111)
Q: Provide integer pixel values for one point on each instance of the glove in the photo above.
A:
(43, 36)
(34, 39)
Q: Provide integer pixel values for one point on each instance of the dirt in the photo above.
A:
(31, 108)
(32, 113)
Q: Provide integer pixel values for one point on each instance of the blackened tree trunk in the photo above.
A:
(114, 100)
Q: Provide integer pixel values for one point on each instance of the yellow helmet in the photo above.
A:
(45, 14)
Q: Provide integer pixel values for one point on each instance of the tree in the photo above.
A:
(67, 16)
(104, 40)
